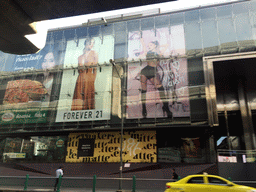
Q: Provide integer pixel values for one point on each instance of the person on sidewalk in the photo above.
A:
(59, 172)
(174, 175)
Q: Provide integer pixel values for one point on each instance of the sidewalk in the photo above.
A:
(41, 189)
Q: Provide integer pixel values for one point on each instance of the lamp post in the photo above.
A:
(122, 129)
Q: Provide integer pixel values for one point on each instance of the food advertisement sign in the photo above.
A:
(138, 147)
(157, 87)
(23, 101)
(85, 93)
(25, 96)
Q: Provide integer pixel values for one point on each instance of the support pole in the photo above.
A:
(134, 183)
(94, 183)
(26, 182)
(59, 184)
(122, 128)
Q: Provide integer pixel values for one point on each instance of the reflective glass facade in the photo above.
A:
(145, 72)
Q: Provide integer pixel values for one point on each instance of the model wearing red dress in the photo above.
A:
(84, 94)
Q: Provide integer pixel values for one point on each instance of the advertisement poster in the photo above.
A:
(85, 93)
(227, 159)
(157, 87)
(191, 147)
(138, 147)
(186, 150)
(25, 97)
(86, 148)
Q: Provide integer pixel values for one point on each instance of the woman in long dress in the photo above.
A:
(84, 94)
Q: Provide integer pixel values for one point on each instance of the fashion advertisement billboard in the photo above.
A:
(25, 96)
(85, 93)
(157, 85)
(138, 146)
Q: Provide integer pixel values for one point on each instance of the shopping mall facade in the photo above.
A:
(168, 85)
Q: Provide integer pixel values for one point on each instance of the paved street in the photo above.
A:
(42, 189)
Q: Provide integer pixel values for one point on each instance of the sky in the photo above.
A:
(43, 26)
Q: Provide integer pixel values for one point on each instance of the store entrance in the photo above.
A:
(235, 83)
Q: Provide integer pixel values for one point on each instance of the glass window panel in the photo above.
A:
(6, 61)
(81, 32)
(120, 51)
(12, 145)
(195, 65)
(196, 77)
(191, 16)
(226, 31)
(120, 40)
(213, 180)
(69, 34)
(58, 35)
(107, 30)
(243, 27)
(224, 11)
(177, 18)
(253, 20)
(94, 31)
(48, 149)
(147, 23)
(253, 6)
(208, 13)
(120, 37)
(64, 103)
(193, 36)
(134, 95)
(49, 36)
(4, 83)
(133, 25)
(162, 21)
(121, 26)
(241, 8)
(59, 42)
(105, 105)
(210, 33)
(56, 86)
(196, 180)
(2, 86)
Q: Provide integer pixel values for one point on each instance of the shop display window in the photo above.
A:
(34, 149)
(181, 150)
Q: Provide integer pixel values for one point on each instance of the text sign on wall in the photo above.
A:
(138, 146)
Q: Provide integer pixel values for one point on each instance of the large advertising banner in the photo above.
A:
(25, 96)
(138, 146)
(85, 93)
(157, 88)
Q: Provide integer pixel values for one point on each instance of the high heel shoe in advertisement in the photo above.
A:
(167, 111)
(144, 111)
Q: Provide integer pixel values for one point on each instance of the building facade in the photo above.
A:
(164, 88)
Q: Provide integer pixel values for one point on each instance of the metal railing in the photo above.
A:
(90, 183)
